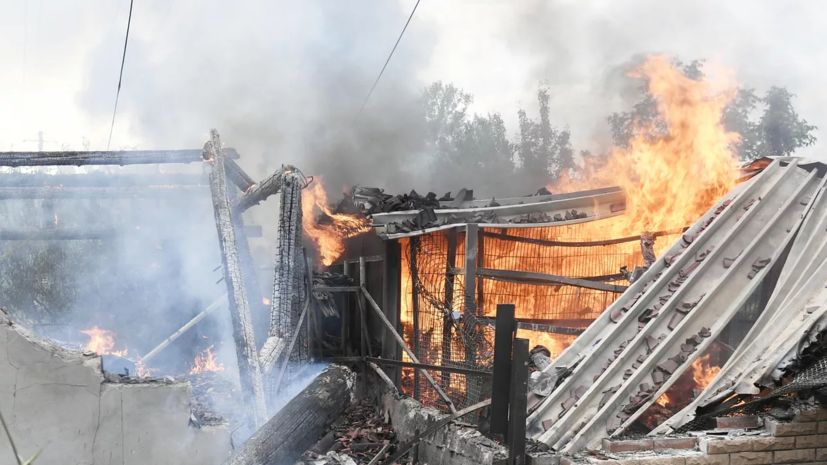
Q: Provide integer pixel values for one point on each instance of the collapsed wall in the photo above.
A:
(58, 402)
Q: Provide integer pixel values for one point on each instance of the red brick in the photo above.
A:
(767, 444)
(811, 415)
(627, 446)
(675, 443)
(737, 422)
(808, 442)
(794, 456)
(720, 459)
(724, 446)
(822, 427)
(750, 458)
(663, 461)
(790, 429)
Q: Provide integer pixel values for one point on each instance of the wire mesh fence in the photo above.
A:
(449, 329)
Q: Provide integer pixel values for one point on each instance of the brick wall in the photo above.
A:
(800, 441)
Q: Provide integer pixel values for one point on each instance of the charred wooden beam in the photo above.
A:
(251, 383)
(76, 234)
(270, 186)
(98, 179)
(621, 240)
(472, 390)
(299, 425)
(528, 277)
(448, 320)
(59, 192)
(391, 300)
(237, 175)
(413, 244)
(163, 345)
(118, 157)
(289, 274)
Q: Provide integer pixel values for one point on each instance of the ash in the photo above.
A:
(215, 400)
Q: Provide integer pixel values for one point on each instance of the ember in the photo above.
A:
(205, 361)
(102, 342)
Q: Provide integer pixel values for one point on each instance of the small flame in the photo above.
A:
(328, 236)
(664, 400)
(205, 361)
(143, 370)
(703, 372)
(102, 342)
(266, 301)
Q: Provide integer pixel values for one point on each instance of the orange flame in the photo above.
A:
(329, 237)
(102, 342)
(205, 361)
(671, 179)
(265, 301)
(703, 372)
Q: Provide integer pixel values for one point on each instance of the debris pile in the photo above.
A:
(215, 400)
(360, 434)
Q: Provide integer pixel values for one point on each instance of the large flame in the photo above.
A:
(205, 361)
(102, 342)
(329, 233)
(669, 180)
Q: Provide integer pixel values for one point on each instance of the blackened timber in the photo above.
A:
(259, 192)
(246, 352)
(76, 234)
(391, 295)
(300, 424)
(448, 319)
(119, 157)
(529, 277)
(503, 341)
(413, 244)
(254, 296)
(98, 179)
(480, 264)
(518, 403)
(59, 192)
(363, 273)
(237, 175)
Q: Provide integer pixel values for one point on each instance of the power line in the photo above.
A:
(386, 63)
(120, 78)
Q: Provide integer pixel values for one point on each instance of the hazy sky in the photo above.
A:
(282, 80)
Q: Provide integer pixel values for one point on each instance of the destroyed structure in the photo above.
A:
(506, 314)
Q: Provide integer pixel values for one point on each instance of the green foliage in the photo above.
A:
(543, 151)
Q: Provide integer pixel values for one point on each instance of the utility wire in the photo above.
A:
(120, 78)
(386, 63)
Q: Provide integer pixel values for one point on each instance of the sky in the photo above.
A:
(282, 81)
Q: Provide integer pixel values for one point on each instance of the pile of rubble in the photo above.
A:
(215, 400)
(359, 436)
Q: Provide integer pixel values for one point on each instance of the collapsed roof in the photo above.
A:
(640, 345)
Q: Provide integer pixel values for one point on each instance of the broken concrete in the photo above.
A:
(57, 402)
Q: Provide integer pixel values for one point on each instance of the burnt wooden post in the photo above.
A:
(447, 324)
(518, 403)
(417, 345)
(501, 384)
(391, 295)
(480, 264)
(245, 255)
(344, 317)
(362, 317)
(248, 368)
(471, 235)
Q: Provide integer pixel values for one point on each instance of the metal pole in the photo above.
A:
(413, 246)
(519, 403)
(503, 340)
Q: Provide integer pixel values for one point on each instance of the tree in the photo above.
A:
(781, 130)
(542, 150)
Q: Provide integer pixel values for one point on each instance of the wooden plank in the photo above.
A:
(448, 321)
(529, 277)
(251, 383)
(116, 157)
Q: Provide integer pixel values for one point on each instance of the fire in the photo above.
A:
(671, 179)
(102, 342)
(703, 372)
(329, 235)
(265, 301)
(205, 361)
(664, 400)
